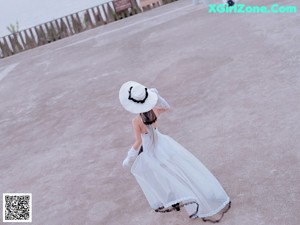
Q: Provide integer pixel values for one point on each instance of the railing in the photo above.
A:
(69, 25)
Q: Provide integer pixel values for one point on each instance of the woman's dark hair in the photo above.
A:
(148, 117)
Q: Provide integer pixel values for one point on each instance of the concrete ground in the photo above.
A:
(233, 81)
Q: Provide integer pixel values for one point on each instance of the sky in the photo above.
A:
(29, 13)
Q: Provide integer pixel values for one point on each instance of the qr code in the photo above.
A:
(17, 207)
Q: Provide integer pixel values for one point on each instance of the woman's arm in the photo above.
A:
(159, 111)
(137, 134)
(133, 151)
(162, 105)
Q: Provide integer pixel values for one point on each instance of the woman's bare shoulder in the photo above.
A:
(137, 123)
(136, 119)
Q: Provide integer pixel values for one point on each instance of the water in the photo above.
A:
(29, 13)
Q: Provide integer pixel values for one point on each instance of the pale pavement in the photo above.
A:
(232, 80)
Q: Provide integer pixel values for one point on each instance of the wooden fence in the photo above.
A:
(72, 24)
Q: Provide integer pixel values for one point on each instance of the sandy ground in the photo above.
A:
(233, 81)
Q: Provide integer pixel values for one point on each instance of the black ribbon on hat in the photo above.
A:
(230, 3)
(137, 101)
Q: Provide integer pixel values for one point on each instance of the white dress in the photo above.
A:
(169, 174)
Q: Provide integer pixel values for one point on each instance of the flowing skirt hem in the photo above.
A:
(214, 212)
(187, 201)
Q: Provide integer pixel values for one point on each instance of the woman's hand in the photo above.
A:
(131, 156)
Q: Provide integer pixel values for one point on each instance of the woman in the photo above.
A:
(169, 175)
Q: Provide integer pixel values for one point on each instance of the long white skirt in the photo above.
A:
(169, 174)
